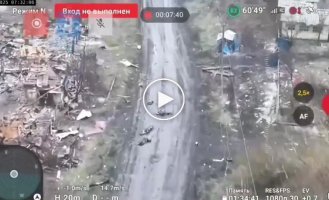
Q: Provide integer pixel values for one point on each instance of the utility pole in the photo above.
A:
(222, 62)
(278, 82)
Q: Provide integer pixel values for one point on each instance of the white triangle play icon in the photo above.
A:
(163, 99)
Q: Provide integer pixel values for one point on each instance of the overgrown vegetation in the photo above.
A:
(99, 153)
(289, 156)
(279, 169)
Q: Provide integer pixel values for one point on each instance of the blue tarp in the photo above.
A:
(229, 46)
(284, 44)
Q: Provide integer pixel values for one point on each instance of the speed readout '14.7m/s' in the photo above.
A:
(165, 14)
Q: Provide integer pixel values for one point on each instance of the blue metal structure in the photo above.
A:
(284, 44)
(230, 47)
(68, 29)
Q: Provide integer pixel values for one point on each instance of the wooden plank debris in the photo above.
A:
(128, 63)
(215, 68)
(111, 88)
(225, 73)
(61, 136)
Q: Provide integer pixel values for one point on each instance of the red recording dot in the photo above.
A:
(325, 104)
(292, 10)
(148, 15)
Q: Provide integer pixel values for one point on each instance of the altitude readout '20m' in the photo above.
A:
(165, 15)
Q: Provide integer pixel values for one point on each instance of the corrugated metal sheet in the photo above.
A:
(228, 34)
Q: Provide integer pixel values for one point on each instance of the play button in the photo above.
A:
(36, 196)
(163, 99)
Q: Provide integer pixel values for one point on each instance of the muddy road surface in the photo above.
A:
(158, 170)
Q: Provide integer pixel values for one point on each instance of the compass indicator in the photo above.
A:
(20, 174)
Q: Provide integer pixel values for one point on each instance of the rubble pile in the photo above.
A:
(45, 83)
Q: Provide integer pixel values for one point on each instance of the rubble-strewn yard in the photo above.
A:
(71, 109)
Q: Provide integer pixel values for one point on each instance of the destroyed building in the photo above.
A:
(42, 81)
(310, 22)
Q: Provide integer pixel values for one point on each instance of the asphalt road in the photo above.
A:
(158, 170)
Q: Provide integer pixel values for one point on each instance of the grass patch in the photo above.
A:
(207, 32)
(97, 166)
(278, 168)
(99, 153)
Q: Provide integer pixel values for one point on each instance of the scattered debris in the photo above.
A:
(66, 134)
(99, 183)
(144, 141)
(46, 80)
(155, 159)
(287, 123)
(100, 125)
(150, 103)
(140, 84)
(100, 61)
(215, 68)
(128, 63)
(125, 98)
(72, 86)
(84, 114)
(68, 162)
(37, 141)
(215, 72)
(58, 175)
(63, 152)
(92, 131)
(163, 113)
(111, 88)
(218, 160)
(10, 130)
(101, 100)
(147, 130)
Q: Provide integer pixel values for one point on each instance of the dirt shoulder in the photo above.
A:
(112, 97)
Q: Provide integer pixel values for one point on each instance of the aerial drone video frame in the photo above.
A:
(172, 99)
